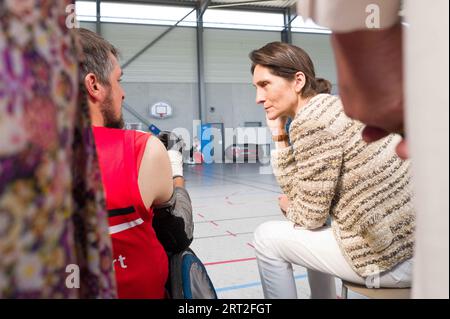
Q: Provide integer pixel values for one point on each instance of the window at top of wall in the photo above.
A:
(308, 26)
(234, 19)
(136, 13)
(85, 10)
(169, 15)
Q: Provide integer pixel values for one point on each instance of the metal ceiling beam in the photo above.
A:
(202, 5)
(192, 4)
(98, 26)
(236, 4)
(136, 114)
(289, 16)
(162, 35)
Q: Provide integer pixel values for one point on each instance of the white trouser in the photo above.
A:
(279, 244)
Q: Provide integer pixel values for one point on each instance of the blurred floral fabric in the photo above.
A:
(52, 217)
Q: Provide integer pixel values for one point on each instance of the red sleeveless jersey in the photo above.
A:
(140, 262)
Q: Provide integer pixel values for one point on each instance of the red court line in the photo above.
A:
(229, 261)
(250, 245)
(214, 223)
(234, 235)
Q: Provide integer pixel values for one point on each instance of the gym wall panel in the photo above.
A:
(234, 104)
(319, 48)
(171, 59)
(226, 53)
(227, 71)
(228, 79)
(167, 71)
(88, 25)
(181, 96)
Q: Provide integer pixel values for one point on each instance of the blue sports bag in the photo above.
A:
(188, 278)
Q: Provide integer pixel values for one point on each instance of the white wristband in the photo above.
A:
(176, 161)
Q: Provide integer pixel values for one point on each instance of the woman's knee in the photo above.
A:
(265, 235)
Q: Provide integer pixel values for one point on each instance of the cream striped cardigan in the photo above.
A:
(330, 171)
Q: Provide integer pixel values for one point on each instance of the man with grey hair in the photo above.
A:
(137, 175)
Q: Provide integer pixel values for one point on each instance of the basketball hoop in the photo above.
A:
(161, 110)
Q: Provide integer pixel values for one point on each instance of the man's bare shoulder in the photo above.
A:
(155, 156)
(155, 174)
(155, 148)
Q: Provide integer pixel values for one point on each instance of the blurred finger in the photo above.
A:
(371, 134)
(402, 149)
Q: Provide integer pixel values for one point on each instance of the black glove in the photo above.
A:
(173, 222)
(174, 145)
(171, 141)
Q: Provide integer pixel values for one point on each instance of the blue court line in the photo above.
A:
(251, 284)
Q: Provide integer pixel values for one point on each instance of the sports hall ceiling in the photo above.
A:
(257, 5)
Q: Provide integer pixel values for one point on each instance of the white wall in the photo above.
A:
(168, 71)
(319, 49)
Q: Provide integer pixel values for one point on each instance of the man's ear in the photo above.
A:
(300, 81)
(93, 87)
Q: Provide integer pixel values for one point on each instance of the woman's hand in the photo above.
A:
(277, 126)
(284, 202)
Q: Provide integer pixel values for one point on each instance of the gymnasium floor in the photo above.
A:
(229, 202)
